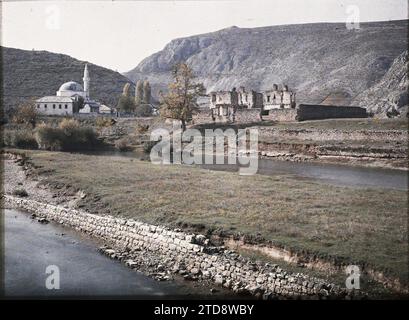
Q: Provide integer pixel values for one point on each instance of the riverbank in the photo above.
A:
(356, 230)
(185, 254)
(31, 246)
(377, 143)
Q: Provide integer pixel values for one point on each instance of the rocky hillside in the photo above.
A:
(389, 97)
(319, 61)
(28, 74)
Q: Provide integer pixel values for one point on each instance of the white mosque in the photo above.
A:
(68, 99)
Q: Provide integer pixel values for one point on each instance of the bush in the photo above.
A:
(122, 144)
(142, 128)
(20, 193)
(69, 125)
(68, 136)
(102, 122)
(49, 138)
(23, 139)
(143, 110)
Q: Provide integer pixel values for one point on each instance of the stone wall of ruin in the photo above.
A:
(282, 115)
(202, 116)
(316, 112)
(247, 115)
(177, 249)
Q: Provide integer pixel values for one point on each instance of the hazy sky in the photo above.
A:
(119, 34)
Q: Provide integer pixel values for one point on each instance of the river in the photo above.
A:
(335, 174)
(31, 246)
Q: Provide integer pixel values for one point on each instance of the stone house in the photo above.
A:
(228, 106)
(278, 99)
(223, 105)
(250, 99)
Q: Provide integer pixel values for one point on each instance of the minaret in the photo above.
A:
(86, 80)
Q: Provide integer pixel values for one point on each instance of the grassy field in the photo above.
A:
(358, 224)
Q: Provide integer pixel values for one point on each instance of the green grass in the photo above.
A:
(358, 224)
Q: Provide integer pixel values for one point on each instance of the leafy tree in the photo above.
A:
(181, 99)
(126, 104)
(139, 92)
(146, 92)
(126, 91)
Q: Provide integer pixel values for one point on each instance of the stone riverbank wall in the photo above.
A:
(192, 253)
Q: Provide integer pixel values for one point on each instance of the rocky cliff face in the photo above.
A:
(317, 60)
(33, 74)
(389, 96)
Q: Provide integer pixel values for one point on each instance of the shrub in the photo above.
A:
(24, 139)
(104, 122)
(20, 193)
(69, 135)
(69, 125)
(122, 144)
(143, 110)
(48, 137)
(142, 128)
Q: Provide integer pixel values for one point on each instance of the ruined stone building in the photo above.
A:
(223, 105)
(241, 106)
(235, 105)
(278, 99)
(250, 99)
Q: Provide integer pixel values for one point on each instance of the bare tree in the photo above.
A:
(26, 113)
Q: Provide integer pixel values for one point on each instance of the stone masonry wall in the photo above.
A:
(315, 112)
(201, 260)
(247, 115)
(282, 115)
(240, 116)
(202, 116)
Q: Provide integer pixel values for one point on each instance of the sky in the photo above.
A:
(118, 34)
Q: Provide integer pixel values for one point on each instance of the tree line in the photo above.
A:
(139, 103)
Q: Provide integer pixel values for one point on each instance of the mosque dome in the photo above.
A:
(71, 86)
